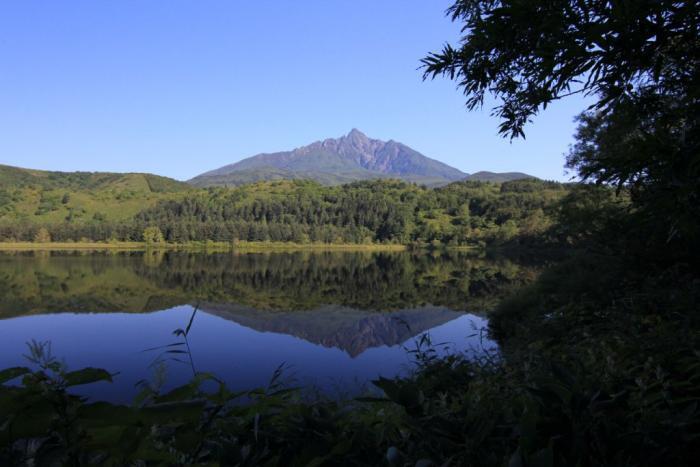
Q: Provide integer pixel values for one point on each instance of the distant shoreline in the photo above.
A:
(197, 246)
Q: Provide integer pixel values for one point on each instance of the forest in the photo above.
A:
(465, 213)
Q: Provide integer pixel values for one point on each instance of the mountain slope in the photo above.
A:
(336, 160)
(37, 196)
(17, 177)
(497, 177)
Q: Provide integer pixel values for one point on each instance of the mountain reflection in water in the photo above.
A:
(334, 318)
(348, 329)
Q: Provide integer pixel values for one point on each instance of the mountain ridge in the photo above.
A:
(332, 161)
(497, 177)
(345, 159)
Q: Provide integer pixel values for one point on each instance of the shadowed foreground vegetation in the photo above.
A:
(487, 412)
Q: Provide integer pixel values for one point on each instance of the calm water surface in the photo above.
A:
(335, 320)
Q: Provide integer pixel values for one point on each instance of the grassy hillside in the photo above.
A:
(45, 197)
(23, 178)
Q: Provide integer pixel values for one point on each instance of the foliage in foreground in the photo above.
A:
(449, 412)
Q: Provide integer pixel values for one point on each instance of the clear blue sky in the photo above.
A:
(180, 87)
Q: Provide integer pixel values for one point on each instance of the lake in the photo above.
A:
(333, 320)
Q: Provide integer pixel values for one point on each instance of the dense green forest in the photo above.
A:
(362, 212)
(380, 211)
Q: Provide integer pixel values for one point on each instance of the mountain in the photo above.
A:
(497, 177)
(334, 161)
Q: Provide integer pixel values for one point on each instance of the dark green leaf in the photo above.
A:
(87, 376)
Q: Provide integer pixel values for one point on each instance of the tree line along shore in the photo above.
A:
(378, 212)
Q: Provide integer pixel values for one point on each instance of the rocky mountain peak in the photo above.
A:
(353, 156)
(357, 146)
(356, 135)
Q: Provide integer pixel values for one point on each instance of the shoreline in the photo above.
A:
(198, 246)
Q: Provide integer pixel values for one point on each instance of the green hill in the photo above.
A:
(38, 196)
(29, 178)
